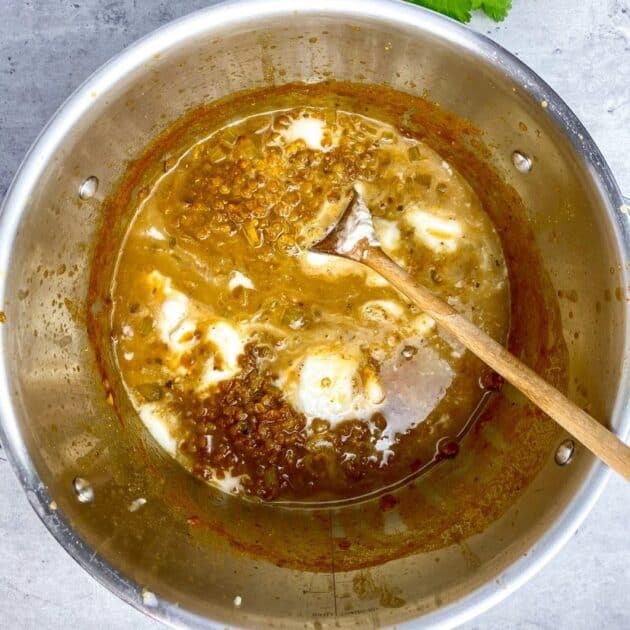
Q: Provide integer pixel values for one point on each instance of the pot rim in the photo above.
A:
(214, 19)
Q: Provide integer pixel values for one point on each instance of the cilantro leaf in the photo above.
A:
(458, 9)
(461, 9)
(496, 9)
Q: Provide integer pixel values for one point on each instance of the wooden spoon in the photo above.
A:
(352, 236)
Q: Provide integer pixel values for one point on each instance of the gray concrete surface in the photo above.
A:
(47, 47)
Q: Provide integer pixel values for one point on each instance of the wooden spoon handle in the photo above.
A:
(599, 440)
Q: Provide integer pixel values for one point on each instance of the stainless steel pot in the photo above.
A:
(84, 476)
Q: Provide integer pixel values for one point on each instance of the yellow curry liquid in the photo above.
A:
(272, 371)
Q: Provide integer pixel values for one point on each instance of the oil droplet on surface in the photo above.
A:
(137, 504)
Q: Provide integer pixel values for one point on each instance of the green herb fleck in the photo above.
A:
(151, 392)
(414, 153)
(146, 325)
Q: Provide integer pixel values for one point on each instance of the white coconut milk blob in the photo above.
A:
(213, 268)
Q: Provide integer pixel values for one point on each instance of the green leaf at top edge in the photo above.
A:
(458, 9)
(496, 9)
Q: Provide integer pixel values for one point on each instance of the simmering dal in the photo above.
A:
(271, 370)
(283, 377)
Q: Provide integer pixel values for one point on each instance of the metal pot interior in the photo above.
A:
(58, 426)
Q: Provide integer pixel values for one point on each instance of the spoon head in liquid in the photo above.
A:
(348, 233)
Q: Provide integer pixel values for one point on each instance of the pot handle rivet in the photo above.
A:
(565, 452)
(522, 162)
(149, 598)
(83, 489)
(88, 188)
